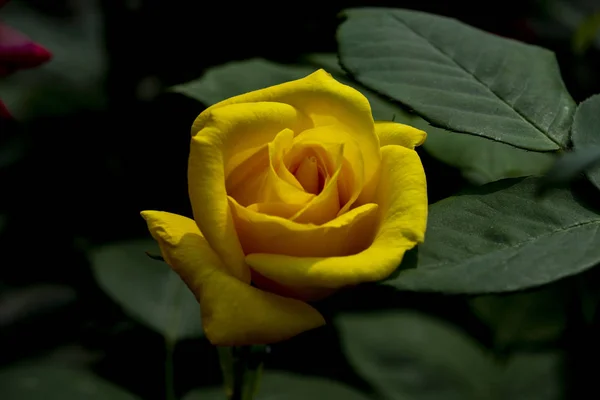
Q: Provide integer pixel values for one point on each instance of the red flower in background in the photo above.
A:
(17, 52)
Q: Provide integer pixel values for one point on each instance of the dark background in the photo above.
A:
(98, 140)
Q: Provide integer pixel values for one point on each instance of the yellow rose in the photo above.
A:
(296, 192)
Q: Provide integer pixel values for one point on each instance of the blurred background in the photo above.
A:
(97, 138)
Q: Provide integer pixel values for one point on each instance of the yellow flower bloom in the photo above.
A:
(296, 193)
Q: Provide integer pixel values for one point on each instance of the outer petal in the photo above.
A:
(393, 133)
(17, 51)
(230, 131)
(326, 102)
(233, 313)
(300, 293)
(4, 113)
(402, 198)
(347, 234)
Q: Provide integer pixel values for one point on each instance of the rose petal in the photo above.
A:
(303, 293)
(278, 150)
(255, 185)
(326, 102)
(17, 51)
(229, 131)
(402, 198)
(326, 205)
(308, 174)
(399, 134)
(233, 312)
(282, 210)
(351, 177)
(4, 113)
(257, 181)
(347, 234)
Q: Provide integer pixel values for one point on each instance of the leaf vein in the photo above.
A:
(519, 244)
(442, 52)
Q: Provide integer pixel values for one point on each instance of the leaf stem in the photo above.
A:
(169, 369)
(242, 368)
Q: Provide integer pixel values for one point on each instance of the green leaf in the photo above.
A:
(237, 77)
(568, 166)
(531, 319)
(147, 289)
(381, 108)
(458, 77)
(586, 131)
(408, 355)
(51, 382)
(531, 376)
(481, 160)
(288, 386)
(405, 355)
(222, 82)
(499, 238)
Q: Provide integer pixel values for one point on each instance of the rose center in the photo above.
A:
(309, 175)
